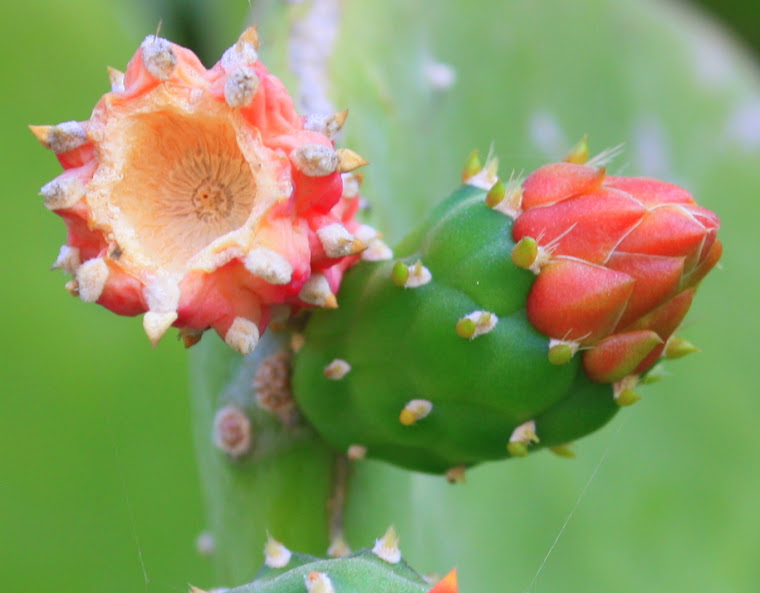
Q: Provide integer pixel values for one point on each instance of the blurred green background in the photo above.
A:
(99, 490)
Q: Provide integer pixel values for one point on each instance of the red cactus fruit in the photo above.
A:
(618, 260)
(201, 198)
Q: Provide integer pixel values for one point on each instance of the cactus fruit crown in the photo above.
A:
(370, 570)
(201, 198)
(521, 314)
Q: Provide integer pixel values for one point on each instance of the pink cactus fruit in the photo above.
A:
(201, 198)
(618, 261)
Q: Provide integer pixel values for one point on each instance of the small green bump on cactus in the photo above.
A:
(466, 328)
(562, 351)
(517, 449)
(496, 194)
(276, 555)
(525, 253)
(318, 582)
(400, 273)
(563, 451)
(627, 397)
(476, 324)
(578, 154)
(521, 437)
(511, 202)
(337, 369)
(624, 391)
(472, 166)
(386, 548)
(410, 276)
(415, 410)
(488, 176)
(356, 452)
(456, 475)
(678, 347)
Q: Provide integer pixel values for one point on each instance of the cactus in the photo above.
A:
(380, 568)
(200, 198)
(509, 88)
(461, 348)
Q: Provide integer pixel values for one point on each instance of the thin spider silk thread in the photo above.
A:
(581, 496)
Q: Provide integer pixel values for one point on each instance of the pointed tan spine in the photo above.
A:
(242, 336)
(316, 291)
(386, 548)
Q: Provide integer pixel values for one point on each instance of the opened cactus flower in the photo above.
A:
(201, 198)
(519, 315)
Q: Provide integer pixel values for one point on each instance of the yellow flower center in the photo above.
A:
(184, 183)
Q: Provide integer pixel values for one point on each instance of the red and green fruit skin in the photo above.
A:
(402, 345)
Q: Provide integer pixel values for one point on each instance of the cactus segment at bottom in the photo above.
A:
(519, 315)
(370, 570)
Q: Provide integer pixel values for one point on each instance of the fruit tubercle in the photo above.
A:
(522, 314)
(380, 568)
(202, 199)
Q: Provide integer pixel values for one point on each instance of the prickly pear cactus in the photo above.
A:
(370, 570)
(462, 347)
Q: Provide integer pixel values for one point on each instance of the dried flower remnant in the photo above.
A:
(271, 384)
(200, 197)
(232, 431)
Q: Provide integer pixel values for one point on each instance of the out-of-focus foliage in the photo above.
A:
(95, 429)
(739, 17)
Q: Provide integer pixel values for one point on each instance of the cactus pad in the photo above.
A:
(366, 571)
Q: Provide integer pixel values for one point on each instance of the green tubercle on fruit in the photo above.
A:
(561, 352)
(472, 166)
(525, 252)
(679, 347)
